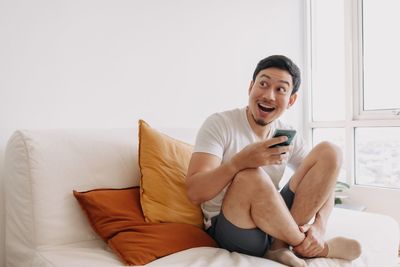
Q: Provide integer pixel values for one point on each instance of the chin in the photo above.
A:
(259, 119)
(262, 122)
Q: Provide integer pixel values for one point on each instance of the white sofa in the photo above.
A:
(46, 227)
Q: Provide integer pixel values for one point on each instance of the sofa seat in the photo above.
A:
(375, 249)
(86, 253)
(46, 227)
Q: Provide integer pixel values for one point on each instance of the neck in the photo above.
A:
(259, 130)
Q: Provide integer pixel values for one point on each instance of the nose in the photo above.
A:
(269, 94)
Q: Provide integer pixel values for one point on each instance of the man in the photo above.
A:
(234, 173)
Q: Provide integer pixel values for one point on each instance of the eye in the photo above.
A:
(263, 83)
(282, 90)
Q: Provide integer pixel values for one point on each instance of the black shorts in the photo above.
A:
(248, 241)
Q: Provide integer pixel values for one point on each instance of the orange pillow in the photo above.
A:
(145, 243)
(111, 211)
(163, 165)
(116, 216)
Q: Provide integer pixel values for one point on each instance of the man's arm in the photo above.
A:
(207, 177)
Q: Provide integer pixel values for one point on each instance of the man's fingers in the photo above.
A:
(310, 247)
(279, 150)
(315, 252)
(309, 252)
(300, 250)
(276, 140)
(305, 228)
(312, 252)
(303, 246)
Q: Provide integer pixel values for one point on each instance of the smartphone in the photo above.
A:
(281, 132)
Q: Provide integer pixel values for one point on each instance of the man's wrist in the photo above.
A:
(234, 165)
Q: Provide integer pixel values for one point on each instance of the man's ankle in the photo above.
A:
(278, 244)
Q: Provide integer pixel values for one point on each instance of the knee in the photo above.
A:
(330, 153)
(253, 180)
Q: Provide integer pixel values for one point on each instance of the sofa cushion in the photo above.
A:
(111, 211)
(48, 164)
(116, 216)
(163, 163)
(145, 243)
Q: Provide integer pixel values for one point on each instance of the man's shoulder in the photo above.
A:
(225, 121)
(227, 115)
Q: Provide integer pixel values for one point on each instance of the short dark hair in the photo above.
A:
(282, 63)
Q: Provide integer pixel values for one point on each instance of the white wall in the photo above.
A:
(101, 64)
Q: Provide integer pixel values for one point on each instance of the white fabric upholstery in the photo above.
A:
(43, 167)
(46, 227)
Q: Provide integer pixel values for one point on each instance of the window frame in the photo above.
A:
(354, 19)
(355, 115)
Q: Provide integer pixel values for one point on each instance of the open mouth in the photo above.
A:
(265, 108)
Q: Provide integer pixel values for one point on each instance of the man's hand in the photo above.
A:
(313, 244)
(261, 154)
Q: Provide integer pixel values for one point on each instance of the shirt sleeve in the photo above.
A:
(299, 152)
(210, 138)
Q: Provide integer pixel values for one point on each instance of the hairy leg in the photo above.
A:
(314, 181)
(253, 201)
(313, 184)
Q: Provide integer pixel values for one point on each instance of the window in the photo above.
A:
(353, 64)
(381, 55)
(377, 156)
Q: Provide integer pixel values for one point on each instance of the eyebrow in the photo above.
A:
(281, 81)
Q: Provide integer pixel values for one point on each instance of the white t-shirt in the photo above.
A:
(225, 134)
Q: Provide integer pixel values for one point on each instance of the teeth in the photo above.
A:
(265, 106)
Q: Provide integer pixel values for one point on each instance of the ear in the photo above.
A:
(292, 100)
(251, 86)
